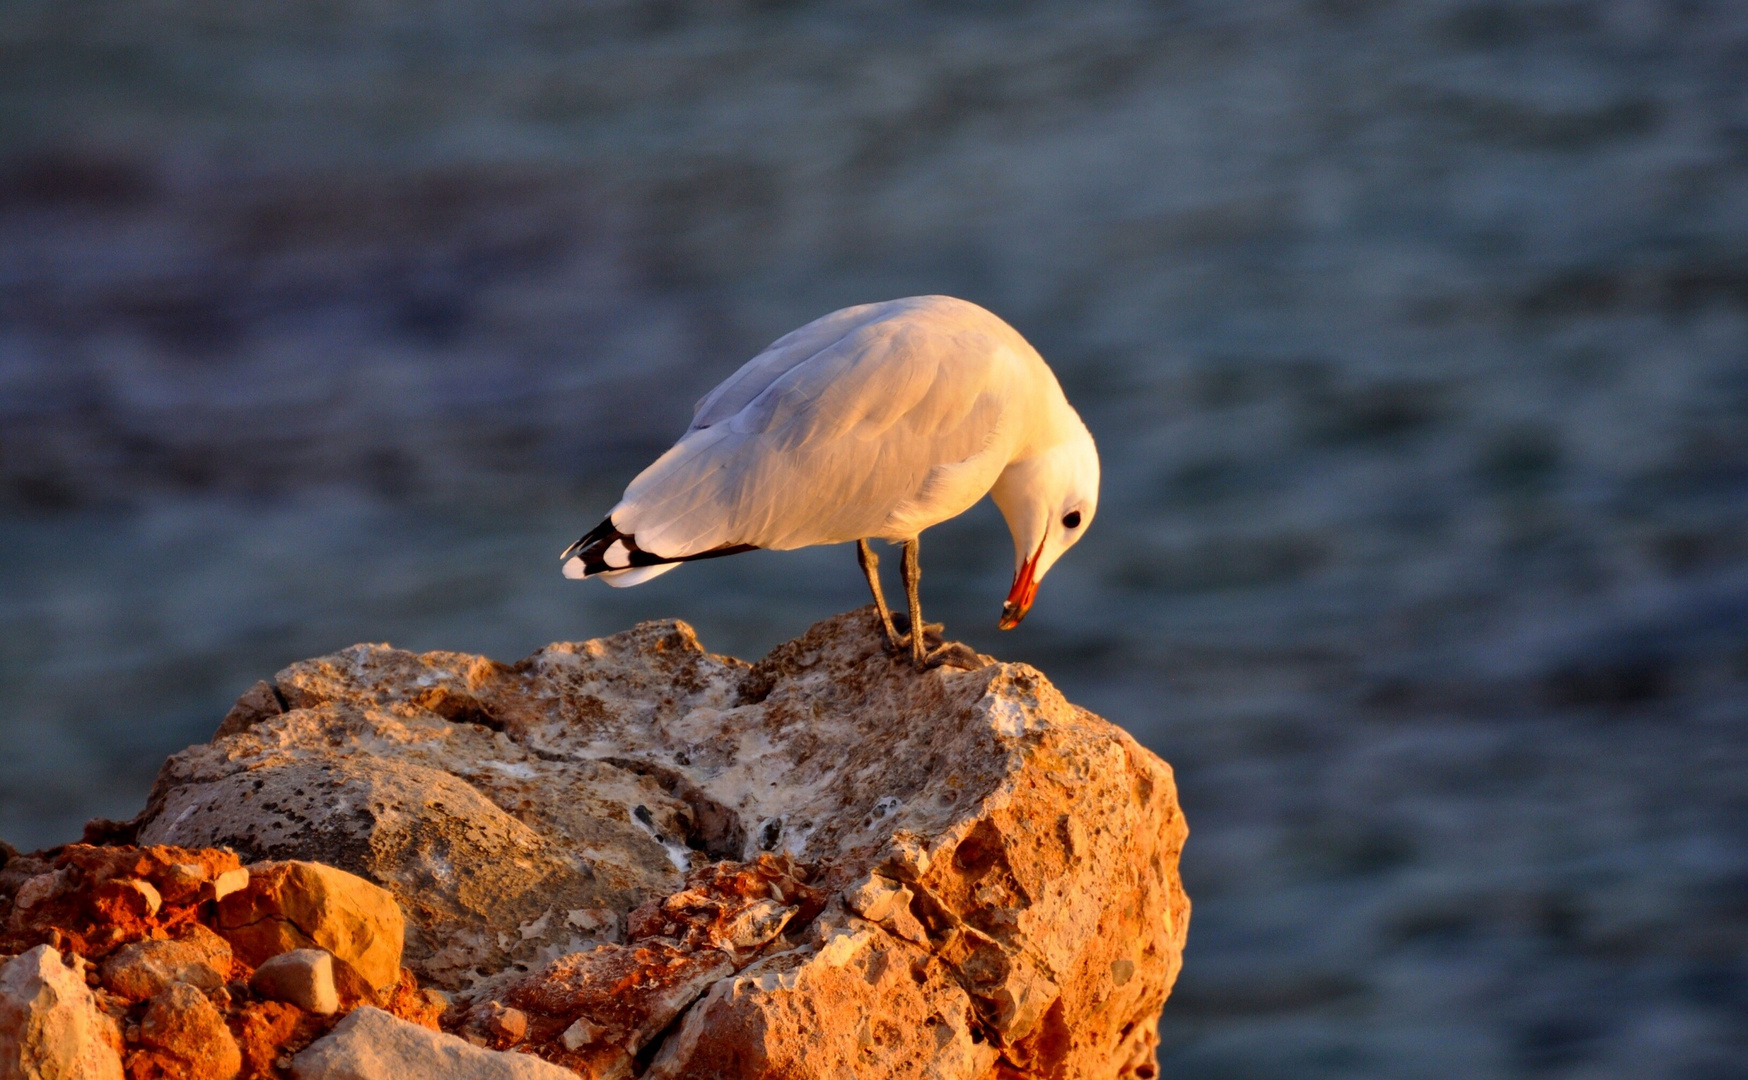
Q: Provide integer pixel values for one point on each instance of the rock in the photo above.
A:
(255, 705)
(863, 1005)
(126, 898)
(145, 969)
(186, 878)
(94, 899)
(264, 1029)
(880, 899)
(302, 905)
(544, 844)
(167, 972)
(372, 1045)
(497, 1026)
(186, 1037)
(40, 888)
(229, 882)
(301, 977)
(594, 1011)
(105, 831)
(821, 864)
(735, 907)
(424, 1006)
(50, 1025)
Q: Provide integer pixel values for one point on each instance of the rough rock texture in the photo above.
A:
(302, 977)
(89, 898)
(498, 854)
(184, 1037)
(144, 948)
(50, 1025)
(372, 1045)
(300, 905)
(821, 864)
(145, 969)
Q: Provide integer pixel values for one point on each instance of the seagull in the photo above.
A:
(873, 422)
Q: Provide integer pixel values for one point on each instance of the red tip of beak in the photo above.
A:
(1020, 597)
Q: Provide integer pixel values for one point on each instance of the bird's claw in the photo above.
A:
(936, 651)
(953, 654)
(934, 633)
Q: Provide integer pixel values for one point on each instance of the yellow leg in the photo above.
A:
(912, 573)
(871, 568)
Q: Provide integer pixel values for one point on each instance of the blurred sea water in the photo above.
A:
(1414, 336)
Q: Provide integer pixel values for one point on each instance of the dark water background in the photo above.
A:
(1414, 335)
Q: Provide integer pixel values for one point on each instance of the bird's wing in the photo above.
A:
(905, 418)
(796, 347)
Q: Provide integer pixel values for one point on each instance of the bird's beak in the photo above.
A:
(1021, 595)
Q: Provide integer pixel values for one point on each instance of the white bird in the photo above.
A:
(876, 421)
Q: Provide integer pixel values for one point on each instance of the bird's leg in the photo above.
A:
(871, 567)
(951, 653)
(912, 572)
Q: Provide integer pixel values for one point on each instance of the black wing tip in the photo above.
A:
(605, 530)
(592, 547)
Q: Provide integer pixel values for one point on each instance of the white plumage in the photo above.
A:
(876, 421)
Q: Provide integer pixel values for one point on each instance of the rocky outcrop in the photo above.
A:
(129, 965)
(629, 855)
(624, 857)
(500, 850)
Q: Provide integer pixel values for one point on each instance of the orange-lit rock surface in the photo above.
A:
(631, 857)
(128, 967)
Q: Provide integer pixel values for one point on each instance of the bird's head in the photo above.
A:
(1048, 499)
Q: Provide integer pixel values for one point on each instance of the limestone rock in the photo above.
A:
(880, 899)
(497, 854)
(185, 1037)
(130, 896)
(229, 882)
(165, 976)
(594, 1011)
(372, 1045)
(256, 704)
(50, 1025)
(301, 977)
(93, 899)
(146, 968)
(493, 1024)
(822, 864)
(302, 905)
(265, 1029)
(863, 1005)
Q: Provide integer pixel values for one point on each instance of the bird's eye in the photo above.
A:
(1071, 520)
